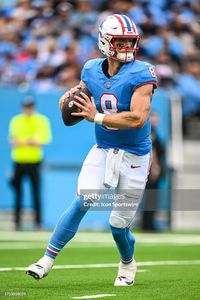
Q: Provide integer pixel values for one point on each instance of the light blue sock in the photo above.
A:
(125, 243)
(66, 228)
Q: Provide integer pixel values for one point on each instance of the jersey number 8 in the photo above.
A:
(109, 105)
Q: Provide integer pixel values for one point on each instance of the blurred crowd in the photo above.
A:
(44, 43)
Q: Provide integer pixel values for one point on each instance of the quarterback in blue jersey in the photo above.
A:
(122, 88)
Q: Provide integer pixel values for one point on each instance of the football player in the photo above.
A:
(122, 88)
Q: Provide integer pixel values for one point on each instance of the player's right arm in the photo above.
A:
(69, 92)
(135, 118)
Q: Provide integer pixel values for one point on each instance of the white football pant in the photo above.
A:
(131, 179)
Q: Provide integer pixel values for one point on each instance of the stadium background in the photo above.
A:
(43, 47)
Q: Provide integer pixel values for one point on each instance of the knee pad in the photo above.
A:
(117, 221)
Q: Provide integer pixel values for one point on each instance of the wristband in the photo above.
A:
(98, 119)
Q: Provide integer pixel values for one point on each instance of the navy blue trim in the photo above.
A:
(127, 22)
(127, 262)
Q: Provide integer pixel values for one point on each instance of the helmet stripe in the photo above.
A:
(121, 22)
(127, 22)
(134, 27)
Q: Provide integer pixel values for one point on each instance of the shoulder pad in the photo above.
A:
(91, 63)
(138, 66)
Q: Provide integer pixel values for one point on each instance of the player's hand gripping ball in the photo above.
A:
(69, 107)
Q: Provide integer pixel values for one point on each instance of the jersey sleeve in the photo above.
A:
(85, 71)
(146, 76)
(83, 74)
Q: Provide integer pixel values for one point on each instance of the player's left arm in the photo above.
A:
(135, 118)
(139, 110)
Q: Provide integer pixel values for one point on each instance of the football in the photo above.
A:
(69, 107)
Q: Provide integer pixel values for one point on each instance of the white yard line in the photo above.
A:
(60, 267)
(114, 265)
(104, 237)
(39, 245)
(35, 240)
(94, 296)
(74, 245)
(169, 263)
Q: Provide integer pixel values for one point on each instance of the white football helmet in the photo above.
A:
(112, 31)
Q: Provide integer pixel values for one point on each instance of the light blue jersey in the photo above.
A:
(112, 95)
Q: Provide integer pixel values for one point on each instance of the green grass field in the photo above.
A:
(176, 275)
